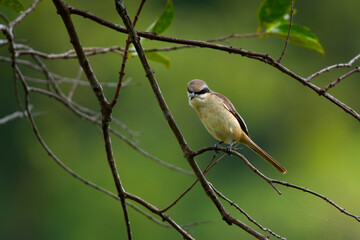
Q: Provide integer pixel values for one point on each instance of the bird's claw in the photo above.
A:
(229, 148)
(217, 147)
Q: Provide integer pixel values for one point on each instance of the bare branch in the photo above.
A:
(330, 85)
(6, 20)
(327, 69)
(15, 115)
(75, 84)
(288, 36)
(230, 49)
(79, 110)
(185, 148)
(89, 51)
(162, 215)
(24, 14)
(105, 108)
(254, 169)
(84, 63)
(357, 218)
(188, 189)
(60, 163)
(246, 214)
(125, 57)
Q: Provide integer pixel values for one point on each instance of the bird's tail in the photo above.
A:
(253, 146)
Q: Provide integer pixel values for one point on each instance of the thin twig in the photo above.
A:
(24, 14)
(230, 49)
(329, 68)
(89, 51)
(15, 115)
(254, 169)
(75, 84)
(125, 57)
(78, 110)
(246, 214)
(164, 216)
(357, 218)
(188, 189)
(9, 34)
(6, 20)
(288, 36)
(332, 84)
(62, 10)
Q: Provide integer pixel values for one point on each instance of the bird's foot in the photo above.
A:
(217, 146)
(229, 148)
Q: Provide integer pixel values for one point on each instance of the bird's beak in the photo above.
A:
(192, 95)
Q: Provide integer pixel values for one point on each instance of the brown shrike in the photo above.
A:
(221, 119)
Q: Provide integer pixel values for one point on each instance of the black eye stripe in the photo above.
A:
(205, 90)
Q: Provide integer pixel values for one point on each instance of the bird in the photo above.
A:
(222, 121)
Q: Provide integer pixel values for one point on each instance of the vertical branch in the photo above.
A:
(288, 36)
(120, 7)
(125, 57)
(112, 164)
(106, 110)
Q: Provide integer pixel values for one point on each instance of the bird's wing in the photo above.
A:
(230, 107)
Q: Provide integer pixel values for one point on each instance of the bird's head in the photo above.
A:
(196, 88)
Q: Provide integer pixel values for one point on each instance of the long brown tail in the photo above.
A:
(264, 155)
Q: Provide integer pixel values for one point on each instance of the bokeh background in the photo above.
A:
(316, 141)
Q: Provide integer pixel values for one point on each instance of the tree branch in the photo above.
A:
(288, 36)
(357, 218)
(125, 57)
(105, 107)
(186, 150)
(330, 85)
(329, 68)
(230, 49)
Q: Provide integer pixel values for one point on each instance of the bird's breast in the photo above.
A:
(219, 122)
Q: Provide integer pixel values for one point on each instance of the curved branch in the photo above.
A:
(357, 218)
(229, 49)
(120, 6)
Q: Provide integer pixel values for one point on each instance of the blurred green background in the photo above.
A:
(316, 141)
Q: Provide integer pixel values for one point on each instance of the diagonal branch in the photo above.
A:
(63, 11)
(24, 14)
(327, 69)
(125, 57)
(357, 218)
(150, 75)
(186, 150)
(29, 115)
(332, 84)
(246, 214)
(229, 49)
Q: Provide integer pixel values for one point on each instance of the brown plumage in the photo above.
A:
(221, 119)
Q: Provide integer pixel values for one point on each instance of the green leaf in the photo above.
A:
(299, 35)
(157, 57)
(273, 10)
(164, 21)
(14, 5)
